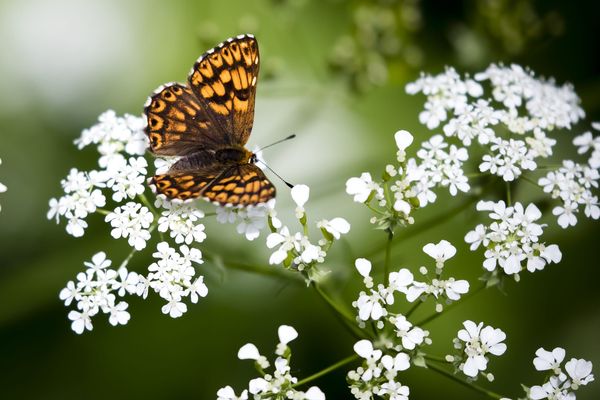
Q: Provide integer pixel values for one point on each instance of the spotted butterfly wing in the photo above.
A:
(177, 124)
(200, 175)
(225, 78)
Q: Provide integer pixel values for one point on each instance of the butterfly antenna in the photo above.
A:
(276, 174)
(274, 143)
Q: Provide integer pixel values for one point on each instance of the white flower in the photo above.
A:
(248, 352)
(361, 188)
(547, 360)
(314, 393)
(477, 343)
(227, 393)
(363, 266)
(286, 334)
(411, 336)
(580, 371)
(80, 321)
(370, 306)
(286, 243)
(300, 194)
(551, 390)
(365, 349)
(440, 252)
(337, 226)
(118, 314)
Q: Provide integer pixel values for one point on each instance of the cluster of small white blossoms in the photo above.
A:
(295, 250)
(2, 186)
(573, 183)
(278, 385)
(560, 386)
(121, 143)
(523, 106)
(473, 343)
(412, 181)
(511, 241)
(372, 305)
(95, 290)
(400, 341)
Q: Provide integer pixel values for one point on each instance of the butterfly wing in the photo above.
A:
(177, 123)
(224, 79)
(240, 185)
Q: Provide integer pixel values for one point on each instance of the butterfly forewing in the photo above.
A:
(177, 124)
(225, 78)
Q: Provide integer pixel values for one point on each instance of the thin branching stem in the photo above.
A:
(327, 370)
(388, 257)
(341, 314)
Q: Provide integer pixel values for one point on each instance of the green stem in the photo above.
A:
(470, 385)
(435, 358)
(388, 257)
(272, 272)
(102, 211)
(462, 300)
(373, 209)
(526, 179)
(147, 203)
(126, 260)
(345, 319)
(418, 302)
(508, 195)
(327, 370)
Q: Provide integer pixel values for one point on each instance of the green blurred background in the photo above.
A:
(332, 72)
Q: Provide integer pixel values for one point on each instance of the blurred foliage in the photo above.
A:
(66, 61)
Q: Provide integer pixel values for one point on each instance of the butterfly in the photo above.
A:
(207, 122)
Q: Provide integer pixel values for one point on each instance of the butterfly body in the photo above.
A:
(207, 123)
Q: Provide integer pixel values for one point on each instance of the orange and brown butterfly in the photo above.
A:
(207, 122)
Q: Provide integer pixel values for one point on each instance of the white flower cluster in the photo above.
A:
(172, 276)
(118, 141)
(572, 184)
(250, 220)
(411, 183)
(511, 241)
(378, 373)
(296, 250)
(372, 305)
(474, 342)
(182, 221)
(96, 291)
(560, 386)
(2, 186)
(280, 384)
(526, 106)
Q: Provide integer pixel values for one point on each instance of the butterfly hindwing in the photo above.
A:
(225, 79)
(177, 124)
(241, 185)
